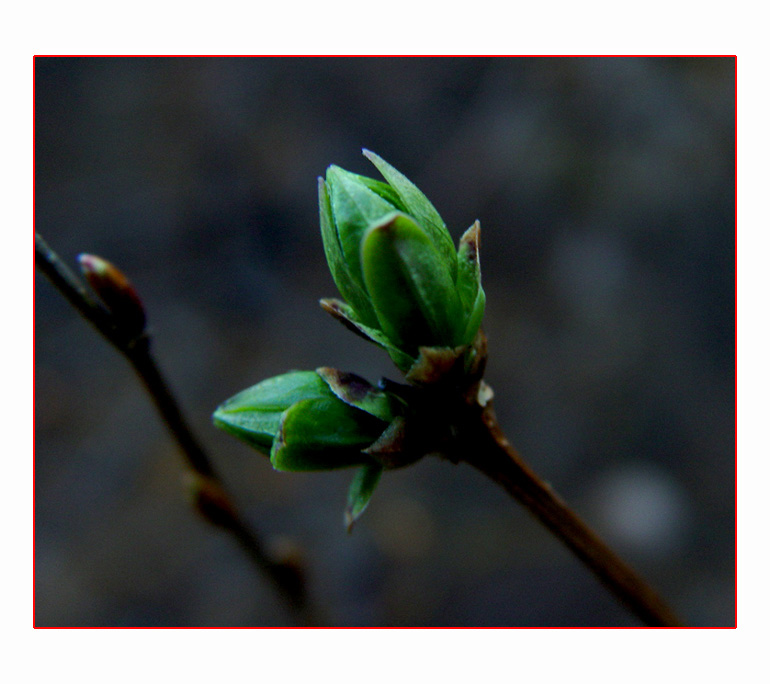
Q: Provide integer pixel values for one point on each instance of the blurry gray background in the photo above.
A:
(605, 190)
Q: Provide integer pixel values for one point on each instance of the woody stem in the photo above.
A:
(286, 577)
(488, 450)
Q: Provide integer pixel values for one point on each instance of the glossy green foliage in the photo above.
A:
(410, 285)
(303, 424)
(394, 263)
(405, 289)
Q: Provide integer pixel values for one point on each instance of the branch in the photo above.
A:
(488, 450)
(210, 496)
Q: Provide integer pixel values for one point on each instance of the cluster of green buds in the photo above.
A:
(408, 290)
(394, 262)
(321, 420)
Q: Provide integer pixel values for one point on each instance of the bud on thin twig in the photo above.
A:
(211, 501)
(116, 292)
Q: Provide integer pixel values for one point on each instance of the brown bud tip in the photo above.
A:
(349, 387)
(435, 364)
(115, 291)
(211, 501)
(469, 242)
(340, 311)
(393, 448)
(350, 519)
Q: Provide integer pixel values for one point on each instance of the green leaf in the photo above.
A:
(475, 317)
(256, 429)
(410, 286)
(360, 492)
(383, 190)
(420, 207)
(254, 415)
(354, 208)
(350, 287)
(323, 434)
(278, 393)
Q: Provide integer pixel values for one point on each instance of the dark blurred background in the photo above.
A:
(605, 190)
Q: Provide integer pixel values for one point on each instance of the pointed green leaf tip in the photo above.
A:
(361, 489)
(345, 315)
(418, 205)
(302, 424)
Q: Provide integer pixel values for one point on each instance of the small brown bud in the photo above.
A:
(116, 292)
(211, 501)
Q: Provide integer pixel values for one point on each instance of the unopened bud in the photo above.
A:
(211, 501)
(116, 292)
(308, 420)
(322, 420)
(394, 262)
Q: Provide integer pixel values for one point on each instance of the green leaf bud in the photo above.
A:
(254, 415)
(305, 421)
(346, 274)
(354, 207)
(394, 262)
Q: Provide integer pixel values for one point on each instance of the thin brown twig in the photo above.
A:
(488, 450)
(210, 495)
